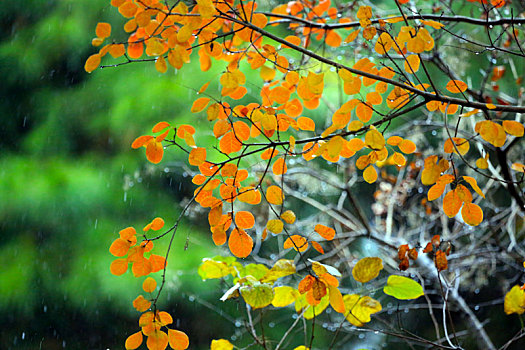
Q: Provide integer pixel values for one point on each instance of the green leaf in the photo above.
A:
(214, 269)
(256, 270)
(403, 288)
(257, 295)
(280, 269)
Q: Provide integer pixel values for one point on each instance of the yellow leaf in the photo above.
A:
(374, 140)
(461, 145)
(370, 174)
(514, 301)
(367, 269)
(433, 24)
(336, 299)
(160, 65)
(275, 226)
(284, 296)
(288, 217)
(221, 344)
(482, 163)
(359, 309)
(513, 128)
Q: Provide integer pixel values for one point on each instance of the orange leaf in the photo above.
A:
(241, 130)
(279, 167)
(229, 143)
(197, 156)
(274, 195)
(199, 104)
(326, 232)
(435, 191)
(298, 243)
(240, 243)
(472, 214)
(92, 63)
(141, 141)
(244, 219)
(119, 247)
(141, 304)
(178, 340)
(456, 86)
(407, 146)
(183, 129)
(149, 285)
(451, 203)
(103, 30)
(441, 260)
(154, 152)
(269, 153)
(134, 341)
(157, 340)
(218, 236)
(317, 247)
(157, 262)
(127, 233)
(305, 123)
(160, 126)
(118, 267)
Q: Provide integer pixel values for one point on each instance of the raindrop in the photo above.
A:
(361, 336)
(125, 196)
(64, 344)
(420, 190)
(166, 170)
(233, 337)
(96, 223)
(476, 307)
(191, 298)
(271, 324)
(238, 324)
(476, 291)
(45, 308)
(434, 133)
(23, 335)
(406, 310)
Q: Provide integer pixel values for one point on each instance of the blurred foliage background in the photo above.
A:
(69, 181)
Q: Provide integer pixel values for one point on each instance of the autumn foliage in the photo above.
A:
(287, 99)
